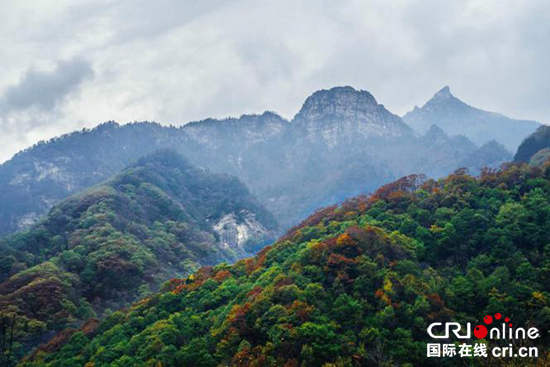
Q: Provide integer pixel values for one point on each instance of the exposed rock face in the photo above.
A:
(27, 220)
(341, 143)
(242, 233)
(248, 129)
(342, 114)
(458, 118)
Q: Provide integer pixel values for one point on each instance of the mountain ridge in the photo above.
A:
(341, 143)
(457, 117)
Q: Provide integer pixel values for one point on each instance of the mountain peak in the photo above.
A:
(337, 101)
(344, 113)
(443, 93)
(456, 117)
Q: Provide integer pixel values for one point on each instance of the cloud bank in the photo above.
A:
(77, 64)
(44, 90)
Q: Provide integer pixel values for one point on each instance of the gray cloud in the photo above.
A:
(180, 60)
(44, 90)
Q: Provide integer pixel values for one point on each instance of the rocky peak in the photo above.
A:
(237, 233)
(456, 117)
(342, 102)
(341, 114)
(443, 93)
(443, 99)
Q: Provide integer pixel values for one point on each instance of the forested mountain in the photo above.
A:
(353, 285)
(341, 143)
(105, 247)
(35, 179)
(458, 118)
(537, 146)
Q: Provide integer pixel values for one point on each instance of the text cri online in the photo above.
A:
(509, 352)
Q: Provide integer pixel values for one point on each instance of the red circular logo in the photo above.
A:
(488, 319)
(480, 331)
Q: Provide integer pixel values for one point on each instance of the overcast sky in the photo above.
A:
(66, 65)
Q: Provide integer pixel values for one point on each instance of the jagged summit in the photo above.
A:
(455, 117)
(341, 114)
(444, 100)
(443, 93)
(437, 101)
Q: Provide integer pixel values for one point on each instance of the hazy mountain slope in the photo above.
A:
(355, 285)
(534, 143)
(104, 247)
(457, 118)
(491, 154)
(341, 143)
(34, 179)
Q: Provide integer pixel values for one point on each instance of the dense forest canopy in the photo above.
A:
(533, 144)
(353, 285)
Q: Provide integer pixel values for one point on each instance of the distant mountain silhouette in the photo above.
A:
(458, 118)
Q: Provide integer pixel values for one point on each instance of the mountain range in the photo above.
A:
(458, 118)
(104, 217)
(341, 143)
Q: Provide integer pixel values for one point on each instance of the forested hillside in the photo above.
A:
(538, 143)
(353, 285)
(101, 249)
